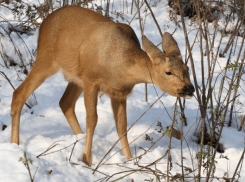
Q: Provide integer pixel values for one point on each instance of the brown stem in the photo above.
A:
(153, 16)
(127, 132)
(5, 76)
(181, 147)
(238, 79)
(242, 156)
(142, 33)
(190, 54)
(72, 150)
(222, 124)
(170, 139)
(182, 108)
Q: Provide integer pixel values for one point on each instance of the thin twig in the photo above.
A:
(142, 33)
(43, 153)
(136, 139)
(72, 150)
(153, 16)
(5, 76)
(170, 139)
(241, 158)
(127, 131)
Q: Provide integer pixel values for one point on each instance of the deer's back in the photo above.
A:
(85, 44)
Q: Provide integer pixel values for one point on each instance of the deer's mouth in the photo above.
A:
(187, 92)
(185, 95)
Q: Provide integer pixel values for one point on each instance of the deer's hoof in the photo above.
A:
(87, 160)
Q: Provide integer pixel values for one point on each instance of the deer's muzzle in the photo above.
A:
(187, 91)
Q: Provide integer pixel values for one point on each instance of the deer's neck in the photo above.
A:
(142, 71)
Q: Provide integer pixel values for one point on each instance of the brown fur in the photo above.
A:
(95, 55)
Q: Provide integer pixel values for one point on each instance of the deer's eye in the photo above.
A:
(169, 73)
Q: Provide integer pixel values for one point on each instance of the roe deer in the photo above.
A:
(95, 55)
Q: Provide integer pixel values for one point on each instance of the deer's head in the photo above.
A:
(169, 73)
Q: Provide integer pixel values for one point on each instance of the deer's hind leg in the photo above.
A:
(120, 116)
(40, 71)
(67, 105)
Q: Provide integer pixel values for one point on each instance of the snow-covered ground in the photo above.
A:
(44, 125)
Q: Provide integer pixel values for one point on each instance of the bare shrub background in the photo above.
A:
(216, 93)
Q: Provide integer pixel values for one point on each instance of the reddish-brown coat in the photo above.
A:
(95, 55)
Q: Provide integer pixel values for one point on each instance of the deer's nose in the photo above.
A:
(189, 89)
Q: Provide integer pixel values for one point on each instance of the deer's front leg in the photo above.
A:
(90, 99)
(120, 116)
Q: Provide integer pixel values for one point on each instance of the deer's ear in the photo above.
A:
(152, 51)
(169, 45)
